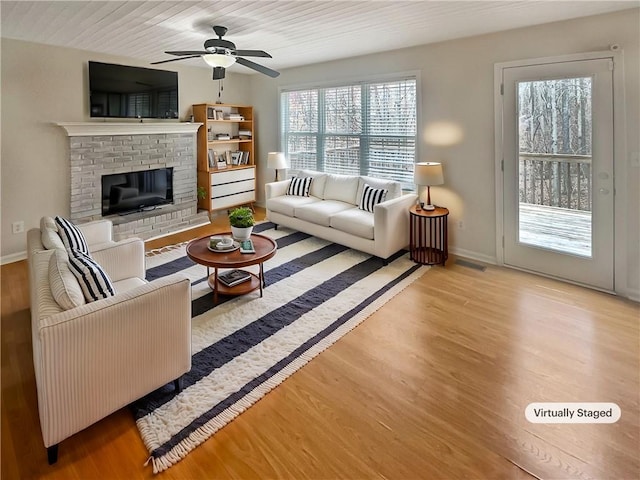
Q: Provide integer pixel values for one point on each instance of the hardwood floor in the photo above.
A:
(433, 385)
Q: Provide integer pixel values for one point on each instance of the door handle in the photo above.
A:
(604, 191)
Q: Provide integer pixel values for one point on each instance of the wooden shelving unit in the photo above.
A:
(234, 184)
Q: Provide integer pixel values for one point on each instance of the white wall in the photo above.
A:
(457, 87)
(43, 85)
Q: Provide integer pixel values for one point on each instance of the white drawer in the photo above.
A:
(232, 188)
(219, 178)
(233, 200)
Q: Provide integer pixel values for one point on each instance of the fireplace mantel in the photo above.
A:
(89, 129)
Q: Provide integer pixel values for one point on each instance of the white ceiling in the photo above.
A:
(293, 32)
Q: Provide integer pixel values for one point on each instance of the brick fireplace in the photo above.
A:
(97, 149)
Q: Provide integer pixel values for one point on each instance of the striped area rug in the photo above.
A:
(245, 346)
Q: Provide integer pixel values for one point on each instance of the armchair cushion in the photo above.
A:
(93, 280)
(71, 236)
(64, 286)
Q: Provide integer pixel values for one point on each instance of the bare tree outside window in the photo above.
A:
(555, 135)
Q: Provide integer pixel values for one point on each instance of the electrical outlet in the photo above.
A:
(17, 227)
(460, 225)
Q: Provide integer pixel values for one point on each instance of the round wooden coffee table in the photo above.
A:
(198, 251)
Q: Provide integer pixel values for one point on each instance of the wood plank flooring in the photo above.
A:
(433, 385)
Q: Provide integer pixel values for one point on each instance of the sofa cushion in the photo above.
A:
(371, 197)
(286, 204)
(318, 183)
(49, 234)
(94, 281)
(342, 188)
(299, 186)
(320, 212)
(65, 288)
(71, 236)
(394, 189)
(354, 221)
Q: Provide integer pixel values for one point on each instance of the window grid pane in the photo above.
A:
(342, 155)
(302, 152)
(343, 109)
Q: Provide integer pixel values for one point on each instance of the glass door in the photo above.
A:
(558, 170)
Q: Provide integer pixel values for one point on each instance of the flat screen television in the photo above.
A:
(136, 191)
(120, 91)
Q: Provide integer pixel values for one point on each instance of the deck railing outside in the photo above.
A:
(556, 180)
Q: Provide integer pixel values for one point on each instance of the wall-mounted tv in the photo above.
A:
(120, 91)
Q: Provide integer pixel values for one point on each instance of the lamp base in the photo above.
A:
(429, 207)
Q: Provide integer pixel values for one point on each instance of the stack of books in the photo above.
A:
(234, 116)
(234, 277)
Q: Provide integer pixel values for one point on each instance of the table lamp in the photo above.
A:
(277, 161)
(425, 175)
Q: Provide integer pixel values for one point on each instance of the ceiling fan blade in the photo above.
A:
(257, 67)
(188, 52)
(174, 59)
(253, 53)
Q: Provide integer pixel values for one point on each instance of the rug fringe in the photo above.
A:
(204, 432)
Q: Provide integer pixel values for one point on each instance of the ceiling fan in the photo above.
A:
(221, 54)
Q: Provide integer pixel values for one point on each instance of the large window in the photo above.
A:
(362, 129)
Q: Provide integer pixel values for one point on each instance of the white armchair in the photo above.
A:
(95, 358)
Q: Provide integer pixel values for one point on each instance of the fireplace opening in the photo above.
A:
(131, 192)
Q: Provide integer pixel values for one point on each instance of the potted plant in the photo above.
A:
(242, 221)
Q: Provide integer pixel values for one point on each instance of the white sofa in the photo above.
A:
(95, 358)
(332, 211)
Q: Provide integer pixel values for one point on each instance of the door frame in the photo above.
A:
(619, 164)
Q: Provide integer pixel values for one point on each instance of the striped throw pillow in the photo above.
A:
(93, 280)
(371, 197)
(71, 235)
(299, 186)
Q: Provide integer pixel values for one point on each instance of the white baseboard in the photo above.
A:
(461, 252)
(633, 295)
(13, 257)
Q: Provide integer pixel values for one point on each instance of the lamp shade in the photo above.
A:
(428, 173)
(276, 160)
(219, 60)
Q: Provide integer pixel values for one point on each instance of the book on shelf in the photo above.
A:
(234, 277)
(223, 136)
(246, 246)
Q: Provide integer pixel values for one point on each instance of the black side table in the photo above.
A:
(428, 236)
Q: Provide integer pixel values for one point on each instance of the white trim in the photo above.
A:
(621, 246)
(13, 257)
(468, 254)
(88, 129)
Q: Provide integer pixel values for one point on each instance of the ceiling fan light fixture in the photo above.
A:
(219, 60)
